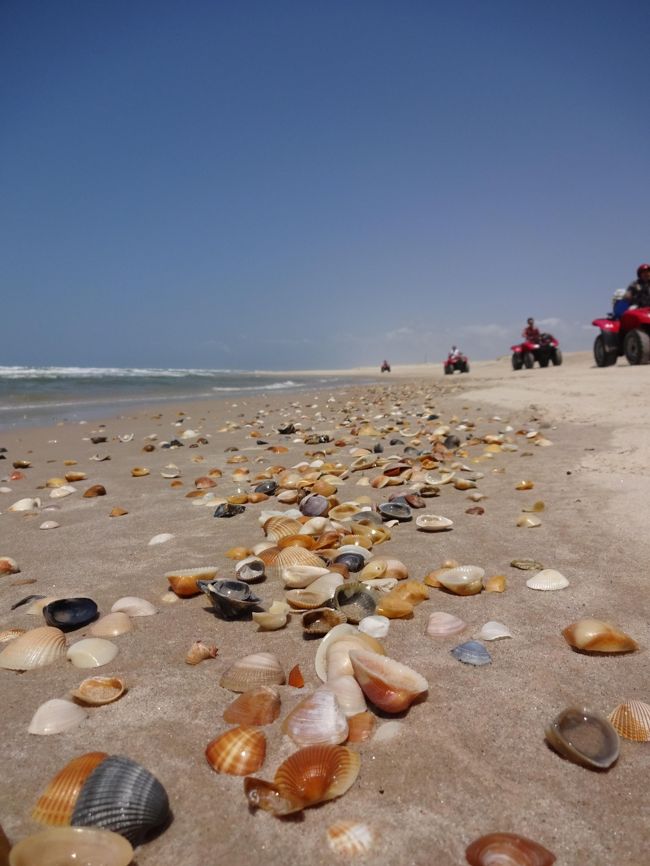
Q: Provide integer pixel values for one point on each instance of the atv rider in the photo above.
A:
(454, 353)
(530, 332)
(638, 292)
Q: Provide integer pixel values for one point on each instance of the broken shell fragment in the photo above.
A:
(59, 846)
(96, 691)
(632, 721)
(387, 683)
(92, 652)
(507, 849)
(238, 752)
(527, 564)
(584, 737)
(274, 618)
(593, 635)
(258, 669)
(35, 648)
(495, 583)
(256, 707)
(199, 651)
(321, 620)
(56, 716)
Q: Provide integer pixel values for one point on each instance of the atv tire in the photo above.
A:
(637, 347)
(517, 363)
(465, 368)
(543, 362)
(529, 360)
(604, 355)
(556, 358)
(449, 371)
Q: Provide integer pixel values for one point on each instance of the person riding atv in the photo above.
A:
(638, 292)
(385, 366)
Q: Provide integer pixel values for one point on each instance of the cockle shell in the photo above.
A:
(349, 838)
(321, 620)
(464, 580)
(442, 624)
(199, 651)
(238, 752)
(472, 653)
(257, 707)
(310, 776)
(389, 684)
(632, 721)
(584, 737)
(36, 648)
(548, 579)
(376, 626)
(348, 694)
(111, 625)
(279, 527)
(134, 606)
(593, 635)
(507, 849)
(10, 634)
(184, 581)
(317, 719)
(96, 691)
(493, 630)
(56, 716)
(71, 845)
(56, 804)
(92, 652)
(258, 669)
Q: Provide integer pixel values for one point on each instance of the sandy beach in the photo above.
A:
(468, 760)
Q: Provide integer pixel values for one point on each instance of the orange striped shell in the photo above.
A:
(238, 752)
(56, 805)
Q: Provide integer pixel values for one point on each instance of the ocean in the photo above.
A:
(38, 396)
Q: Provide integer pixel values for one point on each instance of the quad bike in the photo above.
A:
(629, 336)
(456, 362)
(385, 367)
(545, 351)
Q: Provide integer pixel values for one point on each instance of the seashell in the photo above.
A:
(250, 570)
(310, 776)
(238, 752)
(389, 684)
(351, 637)
(528, 521)
(139, 472)
(134, 606)
(184, 581)
(464, 483)
(118, 512)
(322, 620)
(317, 719)
(122, 796)
(56, 716)
(395, 511)
(199, 651)
(360, 727)
(389, 731)
(584, 737)
(535, 508)
(111, 625)
(55, 482)
(55, 806)
(10, 634)
(258, 707)
(472, 653)
(237, 553)
(442, 624)
(70, 613)
(96, 691)
(258, 669)
(36, 609)
(412, 591)
(393, 607)
(71, 845)
(495, 583)
(327, 583)
(296, 557)
(36, 648)
(439, 480)
(592, 635)
(381, 584)
(95, 490)
(306, 599)
(276, 528)
(27, 504)
(348, 694)
(524, 485)
(314, 505)
(376, 626)
(231, 599)
(547, 579)
(170, 471)
(161, 538)
(493, 630)
(274, 618)
(61, 492)
(92, 652)
(527, 564)
(295, 678)
(433, 523)
(355, 600)
(49, 524)
(349, 838)
(8, 566)
(204, 483)
(464, 580)
(632, 721)
(507, 849)
(380, 567)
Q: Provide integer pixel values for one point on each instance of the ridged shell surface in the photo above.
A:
(632, 721)
(349, 838)
(122, 796)
(442, 624)
(56, 716)
(507, 849)
(36, 648)
(258, 669)
(318, 773)
(258, 707)
(55, 806)
(238, 752)
(86, 846)
(317, 719)
(548, 580)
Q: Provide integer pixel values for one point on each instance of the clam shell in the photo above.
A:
(134, 606)
(27, 504)
(231, 599)
(593, 635)
(350, 838)
(381, 567)
(632, 721)
(584, 737)
(351, 638)
(111, 625)
(322, 620)
(122, 796)
(272, 619)
(92, 652)
(464, 580)
(49, 524)
(36, 648)
(411, 590)
(97, 691)
(375, 625)
(392, 606)
(389, 684)
(507, 849)
(56, 716)
(306, 599)
(395, 511)
(70, 613)
(72, 845)
(63, 491)
(348, 694)
(353, 560)
(55, 806)
(355, 600)
(258, 707)
(548, 579)
(238, 752)
(442, 624)
(493, 630)
(184, 581)
(472, 653)
(317, 719)
(258, 669)
(433, 523)
(327, 583)
(528, 521)
(250, 570)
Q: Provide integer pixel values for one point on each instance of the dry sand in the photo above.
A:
(469, 760)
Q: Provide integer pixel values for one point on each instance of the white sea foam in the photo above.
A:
(103, 372)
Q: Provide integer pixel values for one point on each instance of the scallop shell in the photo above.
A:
(593, 635)
(472, 653)
(62, 845)
(111, 625)
(493, 630)
(464, 580)
(238, 752)
(507, 849)
(122, 796)
(36, 648)
(442, 624)
(92, 652)
(184, 581)
(433, 523)
(349, 838)
(584, 737)
(56, 716)
(317, 719)
(376, 626)
(389, 684)
(258, 707)
(97, 691)
(258, 669)
(632, 721)
(547, 579)
(134, 606)
(55, 806)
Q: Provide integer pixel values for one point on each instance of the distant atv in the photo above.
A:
(546, 351)
(629, 336)
(456, 362)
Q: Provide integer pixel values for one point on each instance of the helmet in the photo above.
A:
(641, 269)
(529, 321)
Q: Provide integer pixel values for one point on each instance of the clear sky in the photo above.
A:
(302, 184)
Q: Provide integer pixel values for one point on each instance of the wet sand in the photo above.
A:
(469, 760)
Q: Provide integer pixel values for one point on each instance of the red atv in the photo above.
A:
(546, 350)
(629, 336)
(456, 361)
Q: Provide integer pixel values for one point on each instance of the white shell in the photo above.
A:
(170, 471)
(528, 521)
(35, 648)
(382, 584)
(388, 731)
(548, 579)
(316, 720)
(301, 576)
(49, 524)
(442, 624)
(349, 694)
(334, 634)
(36, 607)
(349, 838)
(134, 606)
(161, 538)
(375, 625)
(327, 583)
(27, 504)
(463, 580)
(56, 716)
(433, 522)
(64, 490)
(493, 631)
(111, 625)
(92, 652)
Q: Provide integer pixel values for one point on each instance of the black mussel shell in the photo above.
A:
(378, 448)
(352, 561)
(396, 442)
(433, 417)
(314, 505)
(176, 443)
(26, 600)
(70, 613)
(230, 599)
(261, 442)
(228, 510)
(267, 487)
(395, 511)
(287, 429)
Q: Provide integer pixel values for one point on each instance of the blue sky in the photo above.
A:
(289, 185)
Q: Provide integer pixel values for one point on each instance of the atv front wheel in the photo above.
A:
(604, 355)
(529, 360)
(556, 358)
(449, 371)
(637, 347)
(465, 368)
(543, 362)
(517, 363)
